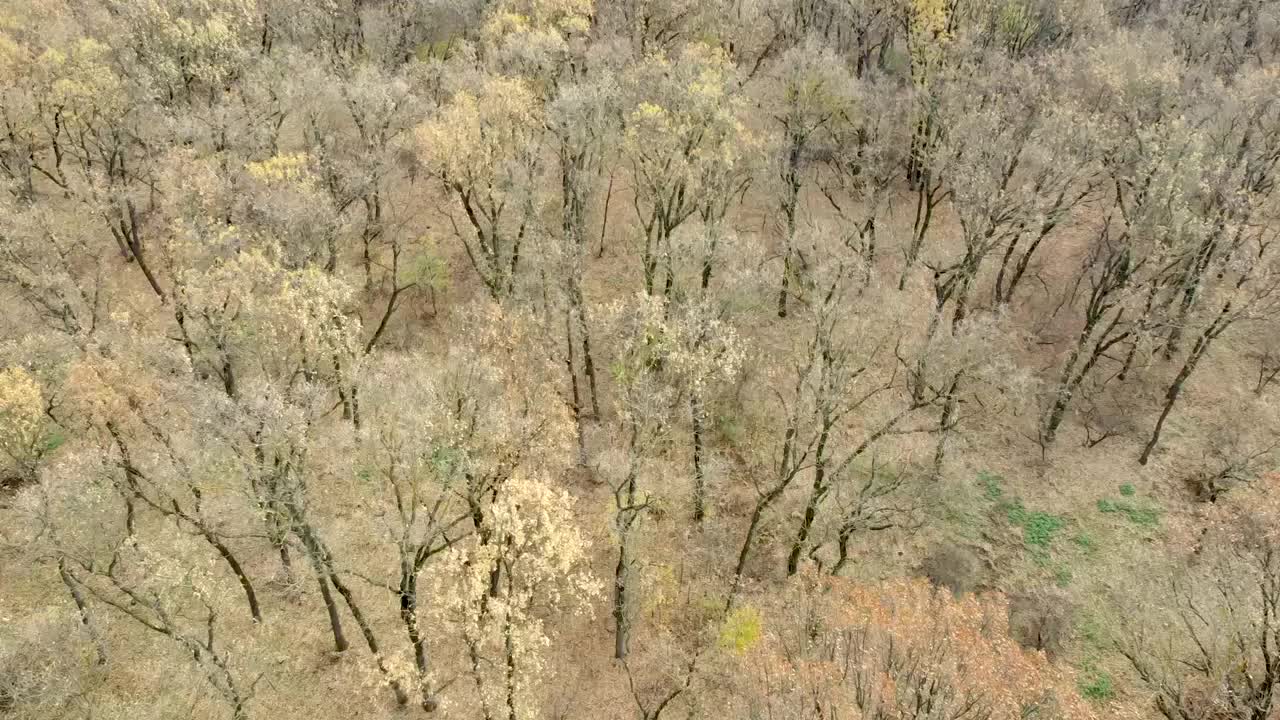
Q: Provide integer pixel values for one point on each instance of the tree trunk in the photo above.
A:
(945, 423)
(86, 618)
(371, 640)
(790, 204)
(621, 625)
(816, 495)
(588, 365)
(409, 616)
(340, 643)
(627, 512)
(135, 244)
(842, 549)
(246, 584)
(508, 638)
(744, 552)
(604, 221)
(699, 478)
(570, 362)
(1175, 388)
(926, 201)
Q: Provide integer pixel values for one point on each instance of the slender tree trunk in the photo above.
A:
(588, 365)
(570, 362)
(409, 616)
(650, 260)
(946, 421)
(86, 619)
(286, 564)
(816, 495)
(1189, 289)
(962, 297)
(246, 584)
(121, 243)
(574, 225)
(757, 514)
(508, 638)
(473, 655)
(744, 552)
(1066, 388)
(1001, 293)
(627, 514)
(1144, 323)
(331, 262)
(926, 201)
(699, 477)
(323, 563)
(604, 222)
(842, 549)
(922, 361)
(340, 643)
(790, 204)
(135, 245)
(621, 623)
(372, 229)
(784, 288)
(1175, 388)
(869, 249)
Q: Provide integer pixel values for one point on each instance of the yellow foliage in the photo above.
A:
(476, 132)
(13, 57)
(289, 167)
(741, 629)
(928, 33)
(524, 15)
(82, 81)
(21, 413)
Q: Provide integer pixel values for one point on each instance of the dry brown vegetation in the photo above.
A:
(878, 359)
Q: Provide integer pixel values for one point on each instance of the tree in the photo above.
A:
(542, 553)
(645, 403)
(436, 461)
(484, 147)
(701, 350)
(811, 97)
(902, 650)
(1254, 293)
(141, 570)
(684, 142)
(1217, 654)
(582, 117)
(867, 149)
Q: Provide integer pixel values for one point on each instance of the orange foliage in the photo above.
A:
(903, 650)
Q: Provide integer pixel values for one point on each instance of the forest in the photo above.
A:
(640, 359)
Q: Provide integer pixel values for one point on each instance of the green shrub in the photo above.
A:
(1039, 528)
(992, 485)
(1097, 685)
(1085, 542)
(1062, 576)
(54, 440)
(1147, 517)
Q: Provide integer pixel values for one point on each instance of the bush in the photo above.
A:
(1040, 620)
(954, 567)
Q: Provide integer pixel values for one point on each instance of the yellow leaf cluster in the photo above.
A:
(21, 413)
(287, 167)
(477, 131)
